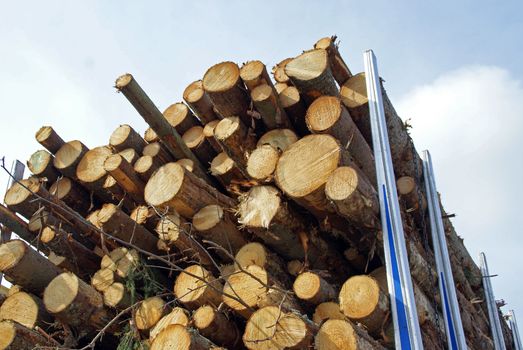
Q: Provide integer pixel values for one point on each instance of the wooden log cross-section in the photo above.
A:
(177, 337)
(66, 159)
(125, 176)
(41, 164)
(339, 68)
(48, 138)
(200, 102)
(14, 336)
(125, 137)
(268, 105)
(253, 74)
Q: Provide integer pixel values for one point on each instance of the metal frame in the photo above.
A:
(407, 334)
(515, 331)
(493, 313)
(452, 317)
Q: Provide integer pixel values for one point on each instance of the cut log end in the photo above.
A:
(221, 164)
(61, 292)
(164, 184)
(327, 311)
(149, 312)
(313, 288)
(259, 207)
(207, 217)
(226, 127)
(262, 162)
(253, 253)
(221, 77)
(342, 183)
(245, 286)
(10, 254)
(323, 113)
(280, 139)
(176, 316)
(336, 335)
(91, 167)
(69, 154)
(307, 66)
(194, 287)
(353, 92)
(194, 92)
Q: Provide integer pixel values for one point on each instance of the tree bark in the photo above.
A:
(18, 226)
(268, 105)
(195, 139)
(339, 68)
(47, 137)
(217, 327)
(195, 287)
(68, 156)
(124, 137)
(294, 106)
(41, 165)
(125, 176)
(199, 101)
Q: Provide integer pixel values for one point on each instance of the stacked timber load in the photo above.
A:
(245, 217)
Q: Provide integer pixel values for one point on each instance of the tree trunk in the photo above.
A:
(41, 165)
(294, 106)
(145, 166)
(327, 311)
(313, 289)
(225, 170)
(126, 137)
(47, 137)
(178, 337)
(280, 139)
(208, 132)
(195, 139)
(224, 86)
(18, 261)
(180, 117)
(26, 309)
(326, 115)
(195, 287)
(72, 194)
(14, 336)
(217, 327)
(66, 159)
(149, 312)
(339, 68)
(253, 74)
(268, 105)
(199, 101)
(171, 186)
(262, 163)
(125, 176)
(312, 76)
(342, 334)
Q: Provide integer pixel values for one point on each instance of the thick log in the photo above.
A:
(72, 194)
(273, 328)
(362, 300)
(149, 312)
(171, 138)
(76, 303)
(130, 155)
(195, 139)
(353, 197)
(342, 334)
(177, 337)
(22, 197)
(339, 68)
(311, 74)
(26, 309)
(92, 174)
(214, 325)
(124, 137)
(327, 311)
(295, 108)
(171, 186)
(199, 101)
(117, 296)
(66, 159)
(208, 132)
(236, 140)
(195, 287)
(158, 151)
(145, 166)
(225, 88)
(17, 225)
(225, 170)
(253, 74)
(124, 174)
(279, 73)
(268, 105)
(14, 336)
(115, 222)
(41, 165)
(18, 261)
(327, 115)
(262, 163)
(176, 316)
(215, 224)
(180, 117)
(280, 139)
(313, 289)
(150, 135)
(47, 137)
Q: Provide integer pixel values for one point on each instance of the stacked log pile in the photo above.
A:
(245, 217)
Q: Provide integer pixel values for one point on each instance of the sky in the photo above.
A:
(452, 68)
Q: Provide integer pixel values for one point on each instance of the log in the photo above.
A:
(217, 327)
(279, 87)
(327, 311)
(149, 312)
(72, 194)
(279, 73)
(124, 137)
(41, 165)
(208, 132)
(171, 138)
(76, 303)
(176, 316)
(175, 231)
(123, 172)
(262, 163)
(22, 197)
(92, 174)
(14, 336)
(128, 263)
(215, 224)
(150, 135)
(171, 186)
(66, 159)
(187, 164)
(199, 101)
(103, 279)
(225, 170)
(253, 74)
(145, 166)
(195, 139)
(413, 197)
(313, 289)
(117, 296)
(353, 197)
(339, 68)
(362, 300)
(342, 334)
(47, 137)
(111, 260)
(26, 309)
(158, 151)
(236, 140)
(195, 287)
(115, 222)
(311, 74)
(17, 225)
(280, 139)
(145, 216)
(113, 193)
(272, 328)
(326, 115)
(295, 108)
(225, 88)
(130, 155)
(177, 337)
(180, 117)
(268, 105)
(404, 157)
(18, 261)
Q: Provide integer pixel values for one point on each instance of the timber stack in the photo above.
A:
(245, 217)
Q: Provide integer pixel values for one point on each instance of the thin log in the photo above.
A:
(295, 108)
(130, 155)
(267, 104)
(17, 225)
(20, 197)
(68, 156)
(72, 194)
(199, 101)
(195, 139)
(125, 176)
(262, 163)
(178, 315)
(253, 74)
(215, 326)
(279, 87)
(280, 139)
(145, 166)
(149, 312)
(313, 289)
(124, 137)
(41, 165)
(327, 311)
(177, 337)
(117, 296)
(180, 117)
(340, 70)
(279, 72)
(47, 137)
(158, 151)
(26, 309)
(208, 132)
(14, 336)
(92, 174)
(225, 169)
(195, 286)
(150, 135)
(342, 334)
(103, 279)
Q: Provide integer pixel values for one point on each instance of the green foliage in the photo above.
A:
(130, 340)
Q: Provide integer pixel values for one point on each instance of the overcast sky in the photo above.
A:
(453, 68)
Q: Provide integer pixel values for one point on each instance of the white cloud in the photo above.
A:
(471, 120)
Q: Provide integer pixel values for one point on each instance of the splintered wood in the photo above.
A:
(246, 216)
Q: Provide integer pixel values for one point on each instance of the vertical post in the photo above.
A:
(450, 306)
(515, 331)
(406, 325)
(493, 313)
